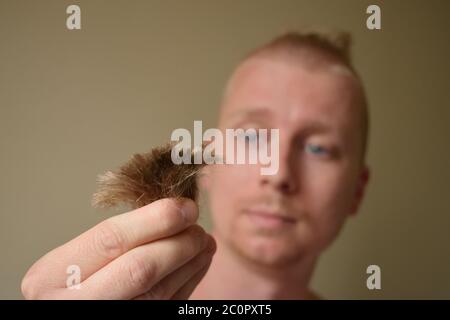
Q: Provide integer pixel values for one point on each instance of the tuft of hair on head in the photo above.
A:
(147, 177)
(313, 46)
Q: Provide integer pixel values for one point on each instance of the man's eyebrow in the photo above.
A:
(317, 127)
(254, 113)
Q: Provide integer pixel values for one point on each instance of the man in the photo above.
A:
(269, 230)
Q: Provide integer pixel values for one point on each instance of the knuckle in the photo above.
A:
(158, 291)
(109, 240)
(197, 238)
(203, 262)
(140, 273)
(29, 287)
(200, 261)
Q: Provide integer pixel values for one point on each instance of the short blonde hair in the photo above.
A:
(334, 46)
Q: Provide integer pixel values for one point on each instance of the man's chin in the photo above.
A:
(270, 251)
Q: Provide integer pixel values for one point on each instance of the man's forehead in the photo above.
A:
(267, 64)
(259, 88)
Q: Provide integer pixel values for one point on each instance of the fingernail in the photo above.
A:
(189, 210)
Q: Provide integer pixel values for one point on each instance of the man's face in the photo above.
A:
(276, 219)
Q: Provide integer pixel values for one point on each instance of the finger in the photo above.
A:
(185, 291)
(168, 286)
(138, 270)
(113, 237)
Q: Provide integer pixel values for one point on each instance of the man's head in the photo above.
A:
(305, 86)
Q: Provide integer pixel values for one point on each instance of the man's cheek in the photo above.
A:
(330, 188)
(238, 175)
(322, 226)
(330, 215)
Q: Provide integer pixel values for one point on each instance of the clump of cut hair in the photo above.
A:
(145, 178)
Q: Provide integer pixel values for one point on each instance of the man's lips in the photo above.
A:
(269, 219)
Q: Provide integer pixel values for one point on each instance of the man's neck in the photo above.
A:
(232, 276)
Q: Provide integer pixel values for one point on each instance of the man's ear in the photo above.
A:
(364, 177)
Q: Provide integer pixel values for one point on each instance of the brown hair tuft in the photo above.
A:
(146, 178)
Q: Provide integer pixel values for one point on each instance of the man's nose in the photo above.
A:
(285, 179)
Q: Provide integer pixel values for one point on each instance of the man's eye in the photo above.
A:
(251, 137)
(316, 149)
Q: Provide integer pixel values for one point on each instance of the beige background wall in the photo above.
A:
(74, 103)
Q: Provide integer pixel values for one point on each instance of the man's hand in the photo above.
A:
(154, 252)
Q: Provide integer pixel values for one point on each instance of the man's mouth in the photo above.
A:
(270, 219)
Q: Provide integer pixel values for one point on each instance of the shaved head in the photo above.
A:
(316, 52)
